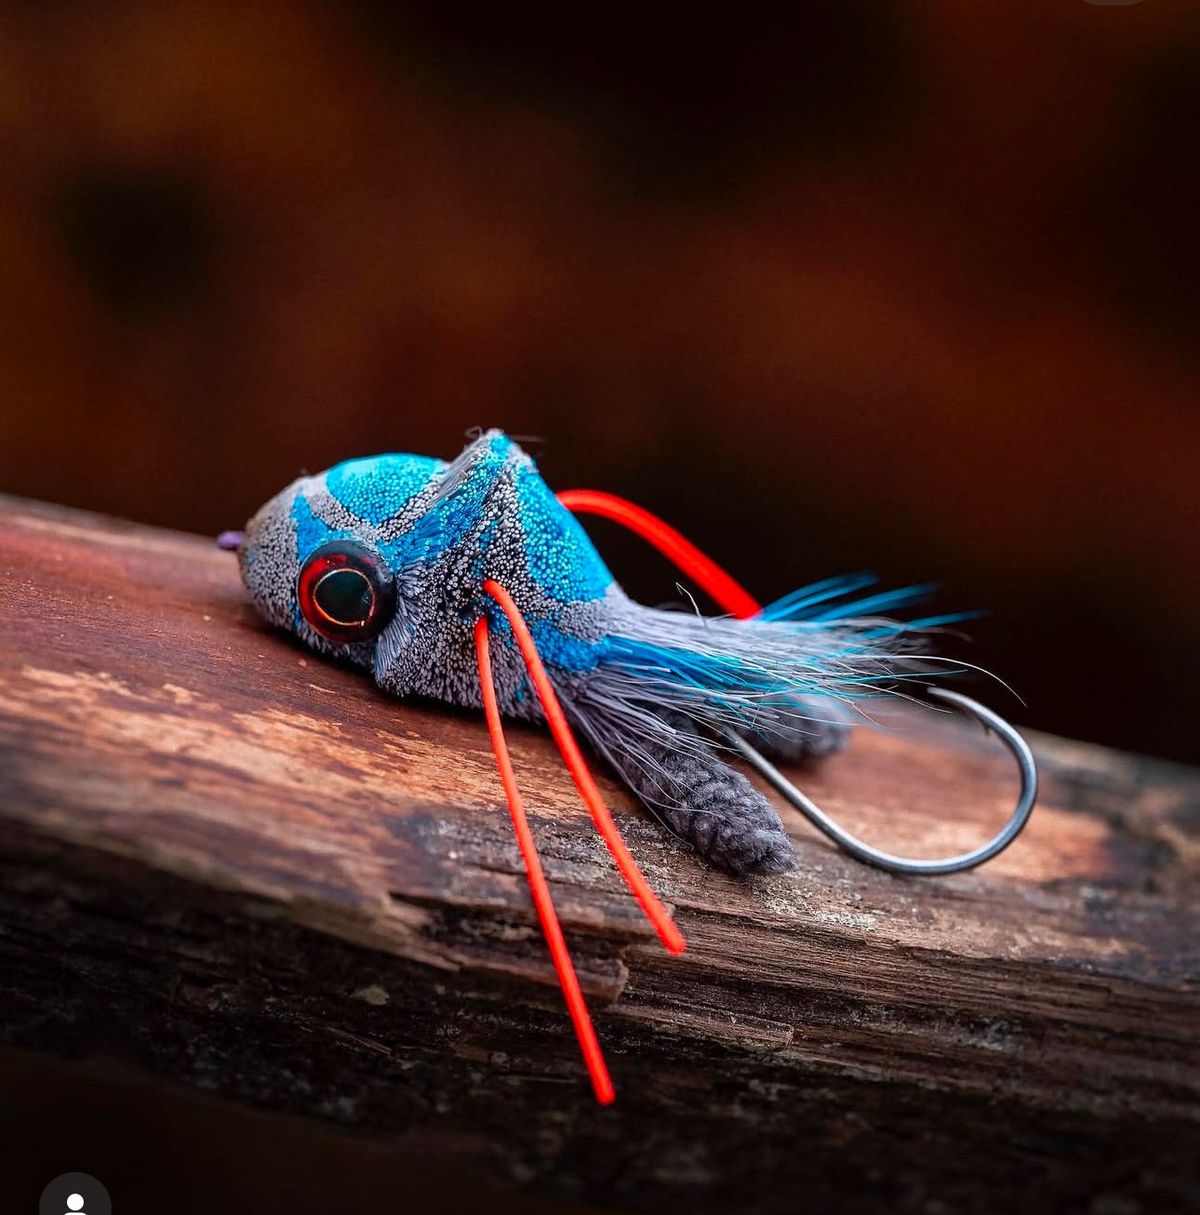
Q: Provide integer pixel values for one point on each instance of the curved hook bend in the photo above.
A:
(901, 864)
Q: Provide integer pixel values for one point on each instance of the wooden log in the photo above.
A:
(243, 867)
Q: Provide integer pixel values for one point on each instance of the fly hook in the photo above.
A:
(912, 865)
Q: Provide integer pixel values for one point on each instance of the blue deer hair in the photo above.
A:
(470, 582)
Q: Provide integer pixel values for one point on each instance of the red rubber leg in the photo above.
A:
(589, 1044)
(725, 590)
(656, 913)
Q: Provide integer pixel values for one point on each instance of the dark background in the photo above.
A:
(842, 285)
(852, 284)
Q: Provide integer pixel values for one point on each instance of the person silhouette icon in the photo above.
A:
(75, 1202)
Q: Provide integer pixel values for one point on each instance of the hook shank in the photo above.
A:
(910, 865)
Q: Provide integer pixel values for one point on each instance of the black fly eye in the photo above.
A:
(346, 592)
(344, 596)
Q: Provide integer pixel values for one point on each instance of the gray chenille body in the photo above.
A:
(651, 690)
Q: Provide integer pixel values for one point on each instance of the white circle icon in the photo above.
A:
(75, 1202)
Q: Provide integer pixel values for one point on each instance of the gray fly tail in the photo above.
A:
(688, 787)
(670, 681)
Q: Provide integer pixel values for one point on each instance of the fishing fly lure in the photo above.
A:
(472, 583)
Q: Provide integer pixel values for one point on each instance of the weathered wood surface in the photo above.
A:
(243, 867)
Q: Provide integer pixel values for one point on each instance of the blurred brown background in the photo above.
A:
(844, 285)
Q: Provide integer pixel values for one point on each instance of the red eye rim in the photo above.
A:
(339, 555)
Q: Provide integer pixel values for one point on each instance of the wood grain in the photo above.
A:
(243, 867)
